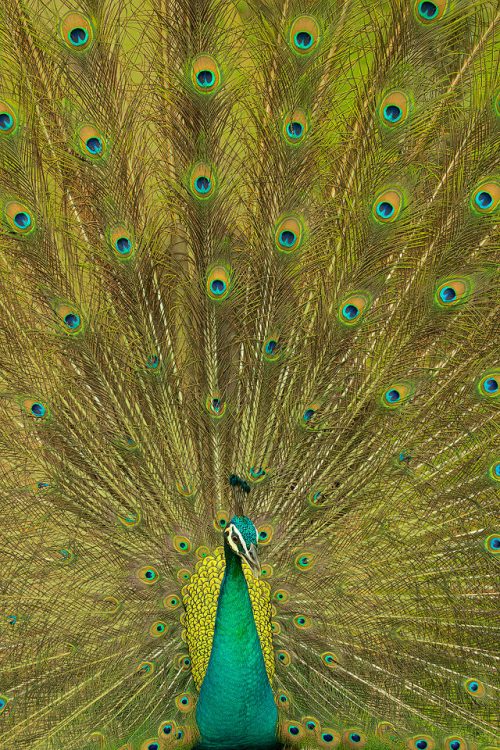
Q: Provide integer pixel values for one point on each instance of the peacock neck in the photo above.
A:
(236, 708)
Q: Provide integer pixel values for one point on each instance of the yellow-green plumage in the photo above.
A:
(249, 284)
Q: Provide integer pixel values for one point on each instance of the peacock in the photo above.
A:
(249, 374)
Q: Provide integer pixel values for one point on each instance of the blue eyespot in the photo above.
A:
(153, 746)
(393, 396)
(484, 199)
(311, 725)
(495, 544)
(473, 687)
(385, 209)
(179, 734)
(355, 737)
(93, 145)
(294, 129)
(217, 286)
(287, 238)
(308, 414)
(72, 320)
(293, 730)
(202, 184)
(6, 121)
(78, 36)
(38, 409)
(428, 10)
(393, 113)
(123, 245)
(152, 362)
(497, 470)
(448, 294)
(205, 78)
(491, 385)
(327, 737)
(22, 220)
(271, 346)
(2, 703)
(350, 312)
(167, 729)
(303, 40)
(455, 745)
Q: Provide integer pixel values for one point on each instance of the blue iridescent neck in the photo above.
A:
(236, 707)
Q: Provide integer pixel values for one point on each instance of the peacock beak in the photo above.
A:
(250, 555)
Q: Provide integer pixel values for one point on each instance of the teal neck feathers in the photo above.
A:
(236, 708)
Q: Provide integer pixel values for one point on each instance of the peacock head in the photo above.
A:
(241, 536)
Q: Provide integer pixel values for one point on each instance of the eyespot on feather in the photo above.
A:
(148, 574)
(145, 668)
(70, 317)
(281, 596)
(4, 700)
(8, 119)
(485, 197)
(38, 410)
(396, 394)
(266, 571)
(133, 518)
(172, 602)
(151, 744)
(202, 181)
(420, 742)
(311, 725)
(353, 307)
(304, 561)
(184, 662)
(158, 629)
(184, 702)
(282, 700)
(271, 350)
(293, 731)
(91, 142)
(166, 729)
(288, 235)
(452, 291)
(77, 31)
(183, 575)
(489, 384)
(218, 282)
(295, 127)
(455, 743)
(205, 74)
(317, 498)
(304, 35)
(475, 688)
(186, 490)
(265, 534)
(302, 622)
(329, 737)
(394, 108)
(121, 242)
(283, 657)
(354, 738)
(387, 206)
(329, 659)
(215, 406)
(427, 12)
(19, 217)
(181, 544)
(221, 520)
(492, 544)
